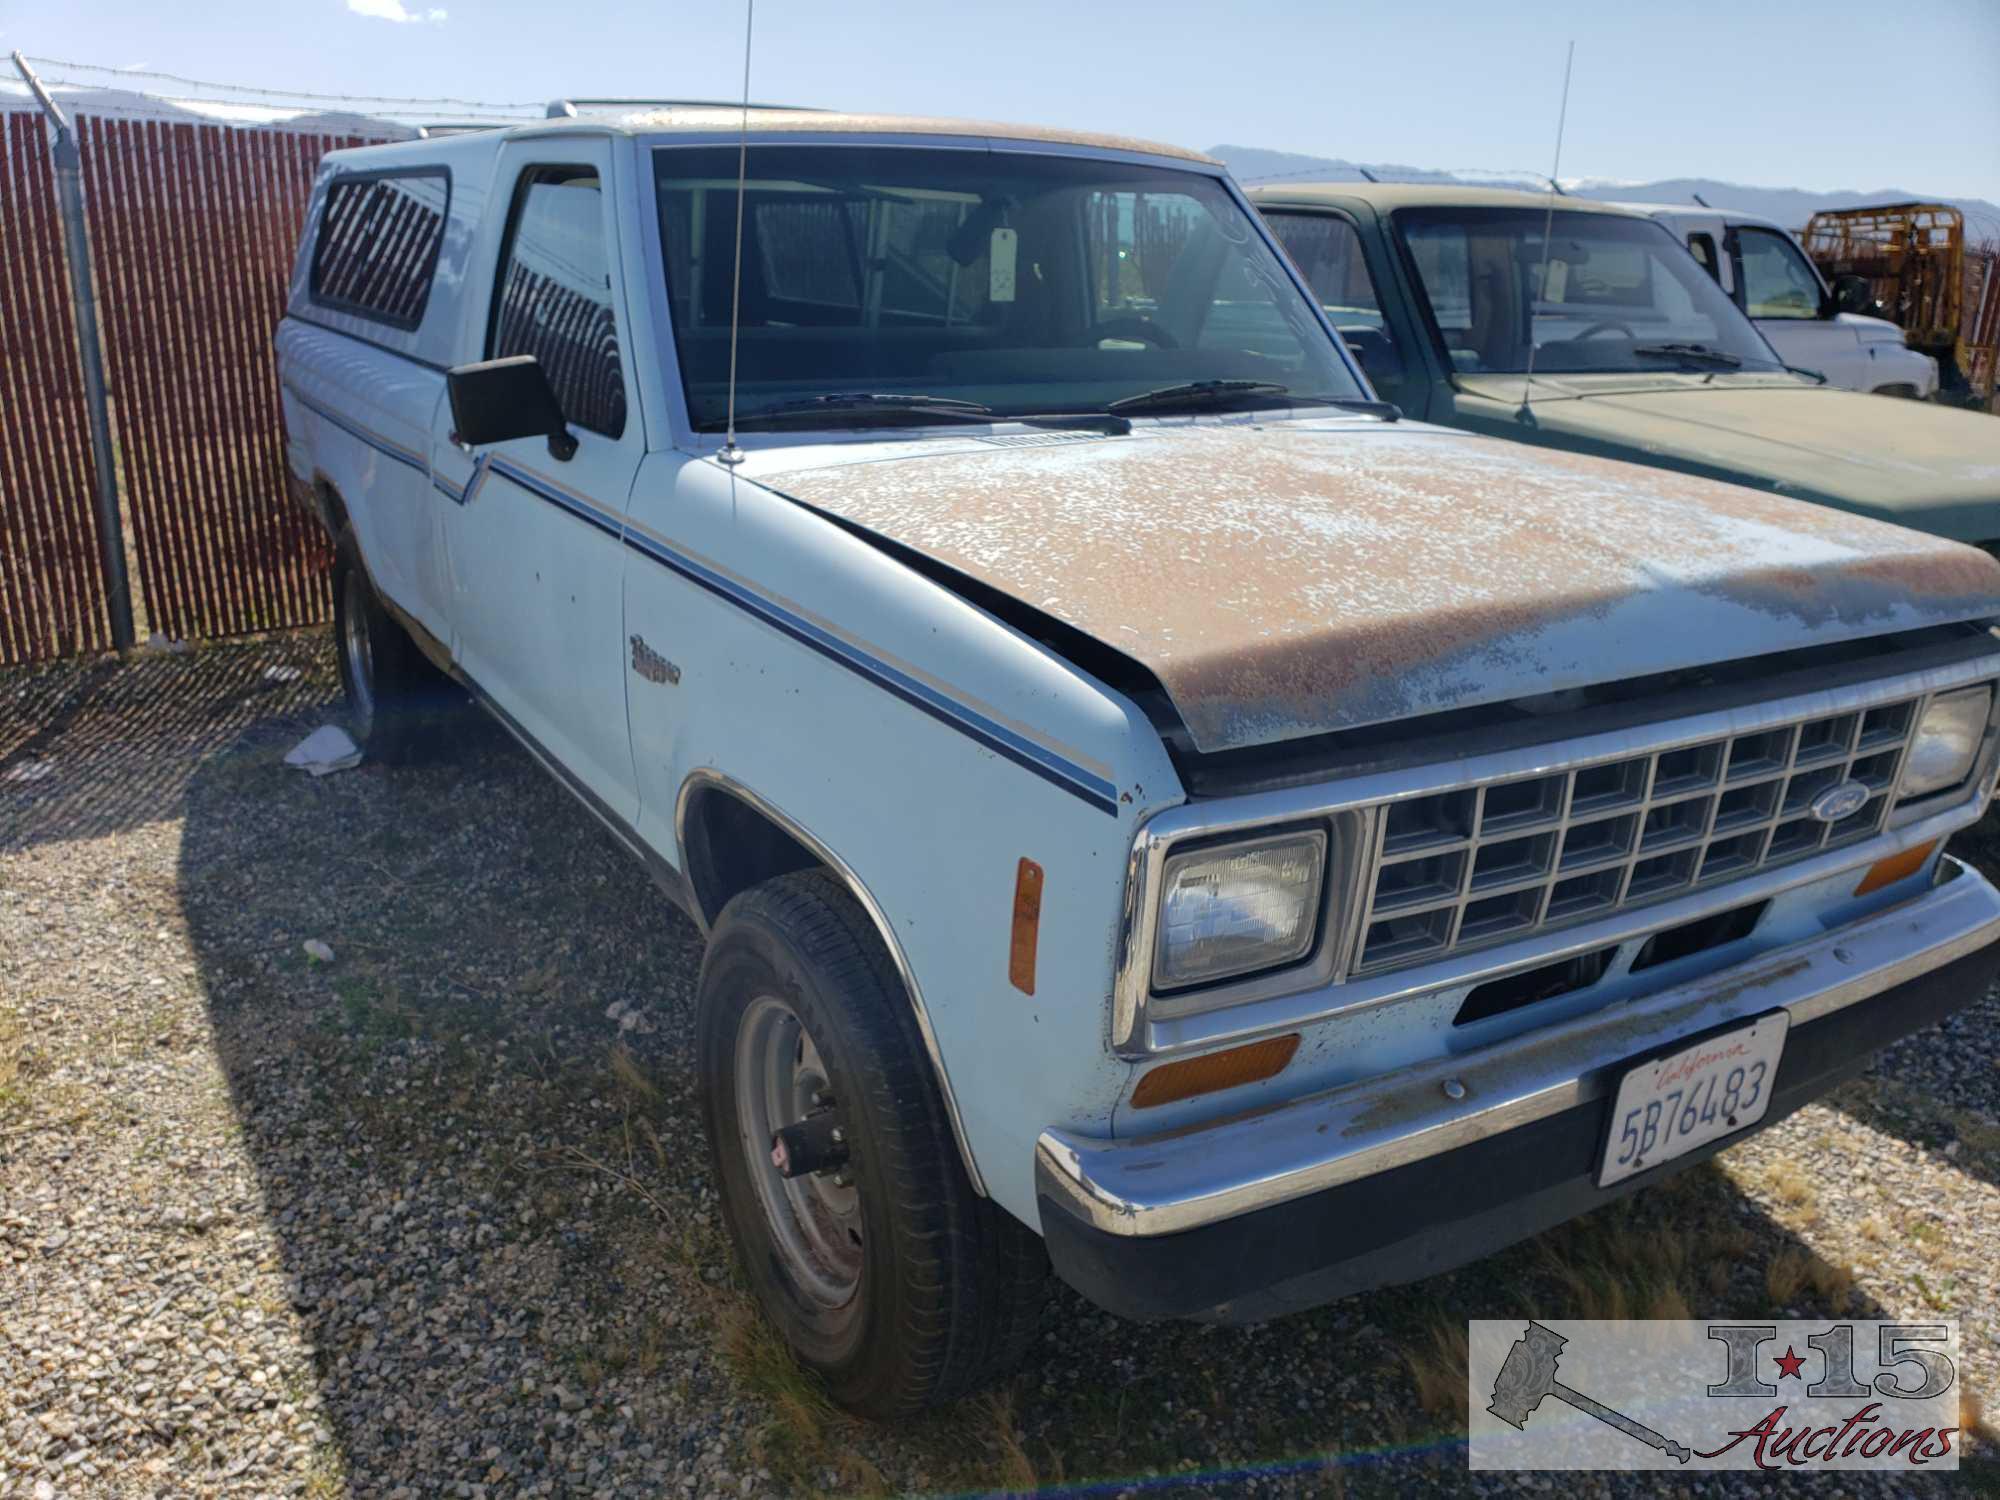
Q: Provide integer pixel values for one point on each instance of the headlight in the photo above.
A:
(1947, 742)
(1234, 909)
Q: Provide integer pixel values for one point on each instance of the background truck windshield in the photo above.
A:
(1619, 295)
(1025, 282)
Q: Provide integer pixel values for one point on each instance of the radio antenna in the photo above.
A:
(1541, 286)
(731, 454)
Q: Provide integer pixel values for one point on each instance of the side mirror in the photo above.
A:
(496, 400)
(1852, 294)
(1381, 361)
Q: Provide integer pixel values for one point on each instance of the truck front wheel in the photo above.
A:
(857, 1228)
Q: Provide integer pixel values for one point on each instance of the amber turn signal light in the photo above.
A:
(1217, 1070)
(1896, 867)
(1027, 932)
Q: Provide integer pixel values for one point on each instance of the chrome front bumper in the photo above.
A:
(1184, 1179)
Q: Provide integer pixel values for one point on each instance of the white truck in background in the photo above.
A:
(1812, 325)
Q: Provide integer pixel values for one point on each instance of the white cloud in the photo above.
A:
(394, 10)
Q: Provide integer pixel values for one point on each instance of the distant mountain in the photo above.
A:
(1790, 206)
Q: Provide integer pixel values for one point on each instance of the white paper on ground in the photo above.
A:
(326, 750)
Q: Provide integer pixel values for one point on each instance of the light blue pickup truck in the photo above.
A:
(1152, 812)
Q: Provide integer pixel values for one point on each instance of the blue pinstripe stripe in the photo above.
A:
(997, 737)
(583, 510)
(353, 429)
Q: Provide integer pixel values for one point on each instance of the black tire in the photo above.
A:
(397, 702)
(950, 1288)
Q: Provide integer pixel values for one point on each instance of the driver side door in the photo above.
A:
(1777, 286)
(535, 540)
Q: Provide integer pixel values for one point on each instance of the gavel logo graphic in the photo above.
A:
(1529, 1374)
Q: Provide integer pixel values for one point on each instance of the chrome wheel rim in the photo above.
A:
(359, 651)
(815, 1220)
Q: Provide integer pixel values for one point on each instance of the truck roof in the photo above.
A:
(727, 120)
(1393, 195)
(1696, 211)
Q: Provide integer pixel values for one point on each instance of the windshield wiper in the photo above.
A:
(1206, 393)
(1698, 354)
(1199, 393)
(883, 405)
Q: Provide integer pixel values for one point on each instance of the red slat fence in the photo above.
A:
(192, 229)
(52, 599)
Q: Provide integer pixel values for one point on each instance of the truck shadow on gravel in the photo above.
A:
(477, 1140)
(99, 746)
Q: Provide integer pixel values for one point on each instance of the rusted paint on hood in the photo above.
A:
(1292, 578)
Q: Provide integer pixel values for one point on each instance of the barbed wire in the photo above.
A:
(470, 110)
(286, 95)
(185, 106)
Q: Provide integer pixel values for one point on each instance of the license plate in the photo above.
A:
(1674, 1104)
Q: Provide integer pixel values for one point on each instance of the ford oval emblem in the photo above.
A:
(1838, 802)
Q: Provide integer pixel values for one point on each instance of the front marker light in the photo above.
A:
(1233, 909)
(1947, 742)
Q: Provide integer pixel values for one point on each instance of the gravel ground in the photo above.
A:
(433, 1217)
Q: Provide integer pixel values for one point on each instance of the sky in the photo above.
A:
(1831, 95)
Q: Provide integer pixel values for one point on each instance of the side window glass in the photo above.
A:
(1777, 282)
(1328, 254)
(554, 298)
(1702, 248)
(1479, 324)
(825, 256)
(1135, 241)
(933, 272)
(810, 251)
(378, 245)
(1327, 251)
(1168, 270)
(1443, 253)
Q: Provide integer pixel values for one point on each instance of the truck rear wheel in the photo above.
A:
(884, 1271)
(395, 697)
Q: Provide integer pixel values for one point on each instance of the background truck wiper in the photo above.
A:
(1698, 354)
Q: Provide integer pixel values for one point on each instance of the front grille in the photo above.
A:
(1496, 860)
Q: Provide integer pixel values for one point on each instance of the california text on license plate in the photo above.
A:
(1674, 1104)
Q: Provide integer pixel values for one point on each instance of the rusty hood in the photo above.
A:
(1290, 578)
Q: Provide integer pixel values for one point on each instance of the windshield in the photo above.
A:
(1618, 294)
(1024, 283)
